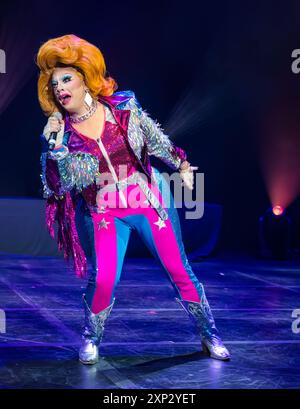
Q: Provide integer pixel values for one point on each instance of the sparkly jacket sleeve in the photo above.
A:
(63, 171)
(158, 143)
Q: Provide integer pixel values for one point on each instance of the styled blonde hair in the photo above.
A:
(71, 51)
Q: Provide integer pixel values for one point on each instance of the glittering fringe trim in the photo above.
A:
(47, 192)
(63, 211)
(78, 170)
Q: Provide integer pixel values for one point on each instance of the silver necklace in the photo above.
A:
(88, 114)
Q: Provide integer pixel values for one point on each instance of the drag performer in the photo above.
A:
(103, 132)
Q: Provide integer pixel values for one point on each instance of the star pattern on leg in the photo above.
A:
(160, 223)
(103, 224)
(102, 209)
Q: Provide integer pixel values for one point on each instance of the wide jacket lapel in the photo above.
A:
(120, 115)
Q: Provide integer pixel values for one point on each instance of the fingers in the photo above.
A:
(190, 169)
(187, 177)
(188, 180)
(54, 124)
(188, 185)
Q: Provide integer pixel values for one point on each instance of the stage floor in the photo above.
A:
(149, 341)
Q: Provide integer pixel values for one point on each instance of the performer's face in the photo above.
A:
(69, 89)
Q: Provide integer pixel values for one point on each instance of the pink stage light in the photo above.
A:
(277, 210)
(279, 142)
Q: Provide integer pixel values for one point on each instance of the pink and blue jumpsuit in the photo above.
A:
(111, 226)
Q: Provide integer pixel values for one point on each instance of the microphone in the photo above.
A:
(53, 135)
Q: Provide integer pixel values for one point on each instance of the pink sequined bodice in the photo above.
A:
(116, 147)
(114, 143)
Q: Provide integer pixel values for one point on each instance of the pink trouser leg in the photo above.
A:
(106, 263)
(161, 239)
(111, 238)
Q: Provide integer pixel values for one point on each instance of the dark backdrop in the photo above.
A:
(209, 72)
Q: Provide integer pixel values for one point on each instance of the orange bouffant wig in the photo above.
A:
(71, 51)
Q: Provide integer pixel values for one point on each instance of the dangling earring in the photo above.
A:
(88, 99)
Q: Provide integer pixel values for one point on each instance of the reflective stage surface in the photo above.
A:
(149, 341)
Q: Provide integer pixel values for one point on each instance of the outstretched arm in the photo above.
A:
(160, 145)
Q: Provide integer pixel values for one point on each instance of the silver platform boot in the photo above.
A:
(92, 333)
(201, 315)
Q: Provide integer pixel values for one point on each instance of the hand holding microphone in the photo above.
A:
(54, 130)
